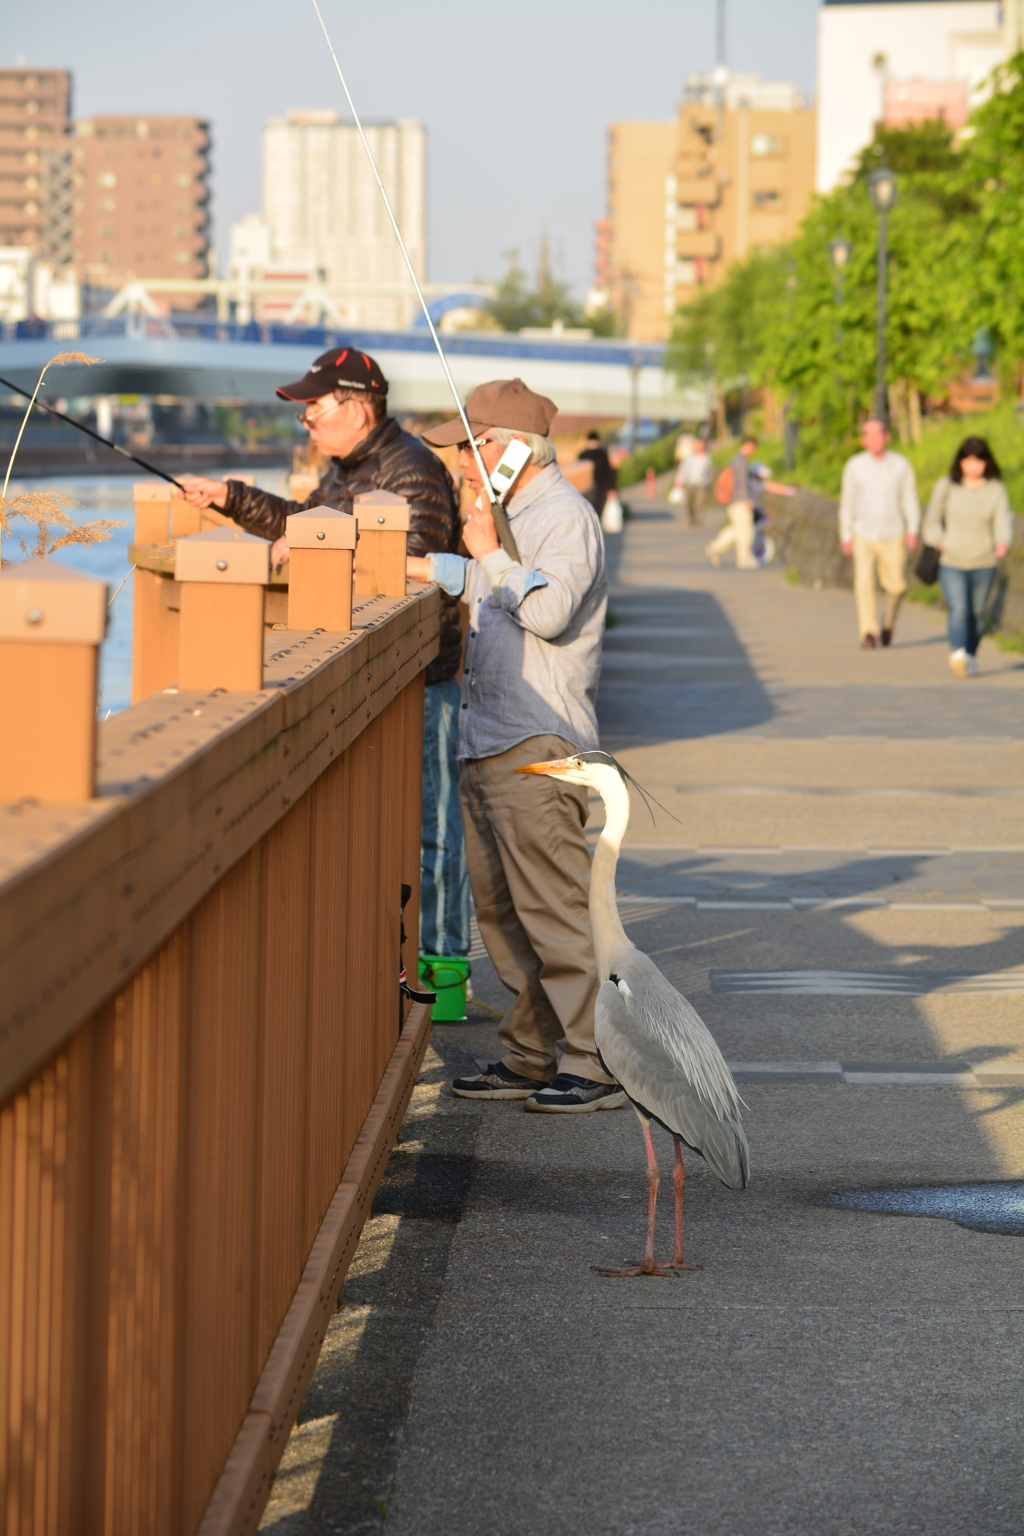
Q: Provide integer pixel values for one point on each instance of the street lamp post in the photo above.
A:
(882, 187)
(839, 254)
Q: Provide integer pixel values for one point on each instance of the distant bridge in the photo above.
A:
(206, 359)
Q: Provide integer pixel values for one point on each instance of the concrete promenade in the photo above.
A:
(842, 898)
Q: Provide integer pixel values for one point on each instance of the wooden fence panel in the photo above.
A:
(185, 1165)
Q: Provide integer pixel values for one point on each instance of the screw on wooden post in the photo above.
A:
(322, 541)
(383, 534)
(52, 621)
(221, 574)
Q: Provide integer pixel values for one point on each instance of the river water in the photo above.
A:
(94, 498)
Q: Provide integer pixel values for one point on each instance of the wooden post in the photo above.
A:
(221, 575)
(52, 621)
(322, 541)
(383, 533)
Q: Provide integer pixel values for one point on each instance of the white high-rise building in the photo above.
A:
(897, 61)
(324, 210)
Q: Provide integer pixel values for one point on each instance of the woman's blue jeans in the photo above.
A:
(966, 593)
(444, 879)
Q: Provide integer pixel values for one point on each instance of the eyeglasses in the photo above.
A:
(306, 420)
(467, 446)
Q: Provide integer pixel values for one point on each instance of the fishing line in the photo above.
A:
(42, 405)
(504, 532)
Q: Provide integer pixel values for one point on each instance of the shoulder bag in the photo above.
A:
(927, 568)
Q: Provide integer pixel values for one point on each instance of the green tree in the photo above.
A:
(516, 305)
(991, 243)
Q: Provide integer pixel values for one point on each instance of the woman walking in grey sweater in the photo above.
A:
(970, 521)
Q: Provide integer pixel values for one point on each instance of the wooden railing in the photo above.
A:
(203, 1053)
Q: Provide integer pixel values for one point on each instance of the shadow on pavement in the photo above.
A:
(674, 667)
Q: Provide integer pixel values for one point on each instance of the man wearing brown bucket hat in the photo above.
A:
(344, 399)
(529, 684)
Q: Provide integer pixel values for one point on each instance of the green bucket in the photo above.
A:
(446, 975)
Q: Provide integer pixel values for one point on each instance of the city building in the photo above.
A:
(35, 164)
(898, 61)
(141, 199)
(325, 212)
(631, 249)
(734, 172)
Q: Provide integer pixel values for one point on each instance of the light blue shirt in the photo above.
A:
(533, 647)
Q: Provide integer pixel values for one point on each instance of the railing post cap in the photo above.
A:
(227, 555)
(321, 528)
(382, 510)
(43, 600)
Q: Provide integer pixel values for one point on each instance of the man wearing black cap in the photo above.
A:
(345, 399)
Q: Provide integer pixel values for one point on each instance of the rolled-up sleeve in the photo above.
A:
(449, 571)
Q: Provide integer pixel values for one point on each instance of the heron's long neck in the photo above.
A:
(609, 937)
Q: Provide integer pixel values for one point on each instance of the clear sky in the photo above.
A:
(515, 98)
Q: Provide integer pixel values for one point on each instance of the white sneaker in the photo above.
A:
(958, 662)
(972, 666)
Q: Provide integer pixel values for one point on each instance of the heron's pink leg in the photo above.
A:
(649, 1265)
(653, 1182)
(679, 1179)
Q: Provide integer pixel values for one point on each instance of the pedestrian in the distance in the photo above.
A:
(745, 489)
(605, 477)
(692, 479)
(879, 515)
(970, 521)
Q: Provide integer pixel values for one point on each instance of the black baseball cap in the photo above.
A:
(341, 368)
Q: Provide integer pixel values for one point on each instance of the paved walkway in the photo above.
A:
(842, 897)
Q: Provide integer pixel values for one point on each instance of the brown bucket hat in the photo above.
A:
(502, 403)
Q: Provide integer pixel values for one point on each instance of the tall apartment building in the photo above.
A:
(141, 198)
(686, 198)
(325, 212)
(898, 61)
(35, 166)
(641, 159)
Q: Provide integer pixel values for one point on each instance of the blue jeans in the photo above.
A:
(966, 593)
(444, 880)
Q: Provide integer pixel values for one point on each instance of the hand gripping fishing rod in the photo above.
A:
(502, 528)
(90, 433)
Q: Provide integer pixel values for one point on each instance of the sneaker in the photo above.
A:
(868, 643)
(496, 1083)
(958, 662)
(972, 666)
(570, 1095)
(886, 637)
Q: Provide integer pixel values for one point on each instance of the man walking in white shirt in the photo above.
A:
(879, 515)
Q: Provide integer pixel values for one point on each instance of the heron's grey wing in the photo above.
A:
(661, 1052)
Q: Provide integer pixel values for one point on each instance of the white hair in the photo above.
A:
(542, 449)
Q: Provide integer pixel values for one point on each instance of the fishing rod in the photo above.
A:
(90, 433)
(504, 532)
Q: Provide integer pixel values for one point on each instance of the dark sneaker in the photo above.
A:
(570, 1095)
(496, 1083)
(887, 637)
(868, 643)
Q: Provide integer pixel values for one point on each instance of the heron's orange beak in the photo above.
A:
(554, 769)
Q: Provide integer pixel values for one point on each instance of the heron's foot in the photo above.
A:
(664, 1270)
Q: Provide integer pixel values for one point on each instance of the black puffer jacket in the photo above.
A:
(388, 460)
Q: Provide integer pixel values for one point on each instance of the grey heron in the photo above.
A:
(654, 1044)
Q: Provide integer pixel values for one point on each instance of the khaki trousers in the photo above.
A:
(529, 869)
(889, 558)
(693, 495)
(738, 531)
